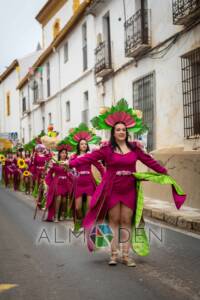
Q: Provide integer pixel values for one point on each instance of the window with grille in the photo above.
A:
(144, 99)
(190, 63)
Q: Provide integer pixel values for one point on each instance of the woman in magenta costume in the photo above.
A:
(27, 175)
(17, 171)
(84, 181)
(59, 182)
(40, 160)
(8, 168)
(116, 195)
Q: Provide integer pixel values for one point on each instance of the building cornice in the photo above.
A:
(49, 10)
(9, 70)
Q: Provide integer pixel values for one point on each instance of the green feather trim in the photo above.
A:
(99, 123)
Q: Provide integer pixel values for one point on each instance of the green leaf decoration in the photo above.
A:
(82, 128)
(99, 122)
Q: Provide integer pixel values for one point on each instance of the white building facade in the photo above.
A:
(10, 101)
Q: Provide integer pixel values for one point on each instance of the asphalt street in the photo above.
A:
(45, 261)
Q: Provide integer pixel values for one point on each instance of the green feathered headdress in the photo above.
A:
(65, 145)
(82, 132)
(120, 112)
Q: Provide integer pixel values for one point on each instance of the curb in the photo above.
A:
(174, 219)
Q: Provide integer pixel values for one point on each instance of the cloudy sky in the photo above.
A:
(19, 31)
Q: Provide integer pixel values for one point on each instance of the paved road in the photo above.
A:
(48, 269)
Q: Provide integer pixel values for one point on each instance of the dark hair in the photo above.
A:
(19, 153)
(113, 142)
(59, 153)
(78, 151)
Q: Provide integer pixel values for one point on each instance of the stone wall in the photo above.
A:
(184, 166)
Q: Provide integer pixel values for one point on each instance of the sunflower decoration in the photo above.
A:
(82, 132)
(121, 112)
(26, 173)
(21, 163)
(2, 159)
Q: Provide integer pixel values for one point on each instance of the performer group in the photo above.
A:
(90, 181)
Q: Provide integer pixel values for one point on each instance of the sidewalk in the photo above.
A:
(186, 218)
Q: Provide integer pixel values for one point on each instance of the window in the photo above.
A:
(23, 135)
(48, 79)
(67, 111)
(191, 92)
(50, 118)
(84, 42)
(8, 103)
(143, 99)
(85, 112)
(56, 28)
(35, 91)
(66, 53)
(24, 104)
(107, 38)
(43, 123)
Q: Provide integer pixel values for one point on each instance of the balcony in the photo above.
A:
(103, 65)
(37, 92)
(185, 11)
(137, 33)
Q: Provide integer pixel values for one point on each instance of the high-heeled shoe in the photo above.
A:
(128, 261)
(113, 259)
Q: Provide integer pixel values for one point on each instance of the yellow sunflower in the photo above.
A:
(2, 157)
(26, 173)
(21, 163)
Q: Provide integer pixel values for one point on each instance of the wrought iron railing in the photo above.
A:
(137, 31)
(182, 9)
(103, 57)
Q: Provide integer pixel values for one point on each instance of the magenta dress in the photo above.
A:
(16, 173)
(38, 168)
(28, 163)
(118, 184)
(8, 170)
(85, 182)
(59, 182)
